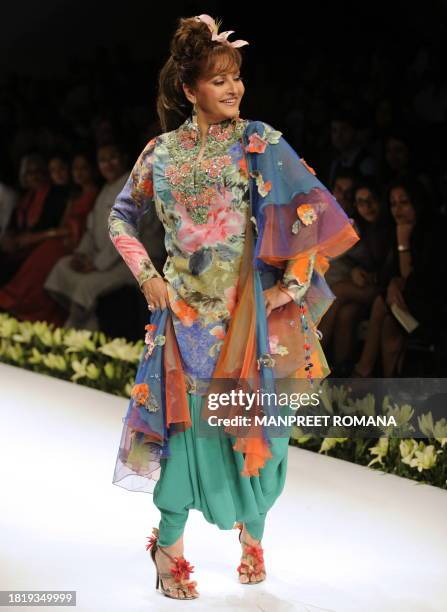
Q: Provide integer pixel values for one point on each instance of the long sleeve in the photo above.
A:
(105, 258)
(297, 275)
(131, 204)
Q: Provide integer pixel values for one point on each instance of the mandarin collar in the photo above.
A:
(192, 123)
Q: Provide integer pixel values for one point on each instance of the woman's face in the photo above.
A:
(34, 175)
(81, 170)
(401, 207)
(366, 204)
(211, 93)
(342, 135)
(59, 171)
(342, 192)
(110, 162)
(396, 154)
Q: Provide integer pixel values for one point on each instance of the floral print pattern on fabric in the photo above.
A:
(152, 342)
(200, 188)
(196, 179)
(123, 222)
(202, 202)
(212, 194)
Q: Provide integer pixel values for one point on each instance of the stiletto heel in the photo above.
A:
(180, 570)
(252, 563)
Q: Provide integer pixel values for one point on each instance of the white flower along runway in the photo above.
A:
(341, 537)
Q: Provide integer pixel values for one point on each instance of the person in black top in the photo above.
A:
(409, 277)
(352, 277)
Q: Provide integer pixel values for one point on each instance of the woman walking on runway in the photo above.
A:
(248, 232)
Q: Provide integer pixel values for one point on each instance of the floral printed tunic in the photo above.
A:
(201, 193)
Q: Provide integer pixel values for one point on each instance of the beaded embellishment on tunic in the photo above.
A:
(194, 177)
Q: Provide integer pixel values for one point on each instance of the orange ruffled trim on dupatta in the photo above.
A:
(178, 417)
(337, 244)
(237, 360)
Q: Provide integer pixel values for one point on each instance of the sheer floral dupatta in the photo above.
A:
(299, 224)
(158, 408)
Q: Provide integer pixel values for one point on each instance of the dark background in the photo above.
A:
(74, 75)
(67, 63)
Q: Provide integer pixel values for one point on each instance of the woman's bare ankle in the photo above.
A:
(247, 538)
(176, 549)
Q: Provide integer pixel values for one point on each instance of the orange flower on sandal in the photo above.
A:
(182, 568)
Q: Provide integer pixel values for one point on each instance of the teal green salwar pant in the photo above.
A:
(204, 473)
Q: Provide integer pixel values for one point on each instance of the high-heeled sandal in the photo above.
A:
(180, 571)
(252, 563)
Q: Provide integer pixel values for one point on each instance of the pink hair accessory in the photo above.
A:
(222, 37)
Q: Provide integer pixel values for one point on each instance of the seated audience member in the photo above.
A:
(343, 191)
(24, 296)
(357, 290)
(398, 161)
(8, 201)
(348, 151)
(95, 268)
(59, 169)
(39, 210)
(410, 279)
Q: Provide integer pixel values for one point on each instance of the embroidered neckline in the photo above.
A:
(189, 133)
(193, 119)
(194, 174)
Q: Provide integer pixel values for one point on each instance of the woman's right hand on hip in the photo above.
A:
(156, 293)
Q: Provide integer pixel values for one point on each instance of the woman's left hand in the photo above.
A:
(394, 293)
(274, 298)
(88, 265)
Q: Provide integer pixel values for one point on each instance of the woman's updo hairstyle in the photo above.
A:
(193, 56)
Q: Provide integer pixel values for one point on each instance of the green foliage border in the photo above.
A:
(92, 359)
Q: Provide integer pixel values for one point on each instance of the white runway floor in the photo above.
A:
(340, 538)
